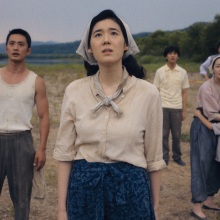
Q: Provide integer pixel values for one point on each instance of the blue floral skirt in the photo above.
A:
(205, 178)
(103, 191)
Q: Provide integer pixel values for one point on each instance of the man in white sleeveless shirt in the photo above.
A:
(20, 90)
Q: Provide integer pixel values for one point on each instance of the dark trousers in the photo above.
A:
(205, 171)
(16, 163)
(108, 192)
(172, 121)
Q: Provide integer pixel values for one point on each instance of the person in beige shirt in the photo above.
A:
(172, 82)
(110, 135)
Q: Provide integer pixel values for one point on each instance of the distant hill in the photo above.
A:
(34, 43)
(58, 48)
(142, 34)
(51, 47)
(38, 43)
(2, 48)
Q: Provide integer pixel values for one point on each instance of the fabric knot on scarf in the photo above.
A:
(108, 100)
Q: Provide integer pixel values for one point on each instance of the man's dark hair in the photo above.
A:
(21, 32)
(170, 49)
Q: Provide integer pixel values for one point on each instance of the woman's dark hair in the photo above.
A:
(129, 62)
(170, 49)
(21, 32)
(107, 14)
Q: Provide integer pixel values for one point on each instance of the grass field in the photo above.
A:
(175, 183)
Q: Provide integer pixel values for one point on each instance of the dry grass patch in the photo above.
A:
(175, 186)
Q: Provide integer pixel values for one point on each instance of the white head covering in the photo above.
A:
(213, 60)
(83, 47)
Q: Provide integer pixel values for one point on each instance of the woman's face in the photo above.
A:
(216, 68)
(107, 42)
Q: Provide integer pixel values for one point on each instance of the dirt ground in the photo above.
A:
(175, 182)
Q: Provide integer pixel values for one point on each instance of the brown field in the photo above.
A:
(175, 183)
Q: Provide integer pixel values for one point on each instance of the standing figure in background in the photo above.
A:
(20, 90)
(205, 170)
(204, 67)
(172, 82)
(109, 144)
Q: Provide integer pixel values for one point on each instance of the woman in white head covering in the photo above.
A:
(204, 152)
(110, 131)
(128, 60)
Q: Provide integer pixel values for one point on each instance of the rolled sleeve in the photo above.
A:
(157, 165)
(153, 136)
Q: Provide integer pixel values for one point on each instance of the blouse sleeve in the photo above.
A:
(209, 103)
(204, 66)
(153, 136)
(64, 148)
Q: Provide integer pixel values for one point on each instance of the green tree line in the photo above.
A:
(195, 42)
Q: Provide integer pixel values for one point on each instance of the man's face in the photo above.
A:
(172, 57)
(17, 48)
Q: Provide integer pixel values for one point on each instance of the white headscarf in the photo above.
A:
(83, 47)
(213, 60)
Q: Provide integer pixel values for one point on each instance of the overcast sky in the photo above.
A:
(66, 20)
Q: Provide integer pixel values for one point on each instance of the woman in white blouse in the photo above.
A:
(110, 134)
(205, 178)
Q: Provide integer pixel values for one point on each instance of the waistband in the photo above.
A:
(98, 174)
(15, 133)
(83, 165)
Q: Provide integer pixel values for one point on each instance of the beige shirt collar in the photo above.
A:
(108, 100)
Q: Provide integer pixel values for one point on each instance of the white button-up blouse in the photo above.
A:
(134, 136)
